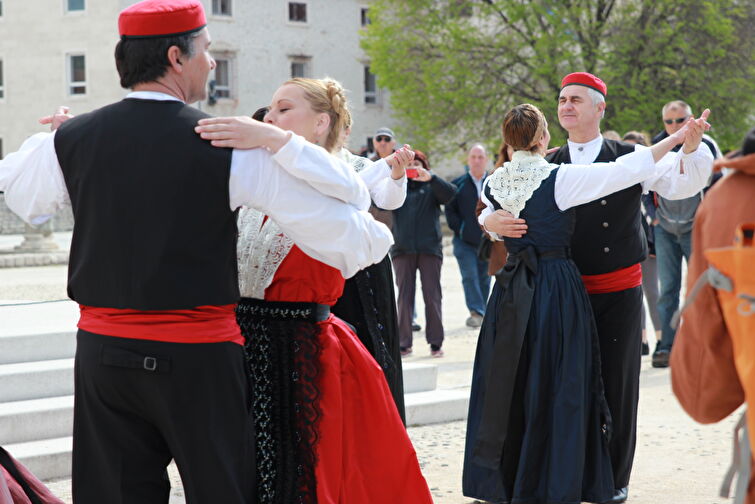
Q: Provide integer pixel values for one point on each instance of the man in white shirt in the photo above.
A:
(608, 246)
(160, 365)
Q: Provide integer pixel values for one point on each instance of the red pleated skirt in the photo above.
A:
(363, 454)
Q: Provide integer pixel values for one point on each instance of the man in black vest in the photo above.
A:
(160, 370)
(608, 246)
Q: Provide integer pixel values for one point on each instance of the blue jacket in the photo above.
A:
(460, 212)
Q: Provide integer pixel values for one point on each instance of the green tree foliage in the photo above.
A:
(454, 67)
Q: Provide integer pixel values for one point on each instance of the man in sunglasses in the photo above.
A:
(384, 143)
(673, 235)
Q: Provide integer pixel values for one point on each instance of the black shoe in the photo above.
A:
(645, 349)
(416, 327)
(660, 358)
(619, 495)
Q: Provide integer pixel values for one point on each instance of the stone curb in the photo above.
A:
(15, 260)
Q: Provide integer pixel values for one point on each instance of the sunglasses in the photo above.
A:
(382, 138)
(677, 121)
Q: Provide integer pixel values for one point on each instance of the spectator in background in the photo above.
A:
(497, 252)
(673, 235)
(416, 231)
(462, 219)
(384, 143)
(649, 265)
(612, 135)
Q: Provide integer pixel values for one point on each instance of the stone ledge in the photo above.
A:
(18, 260)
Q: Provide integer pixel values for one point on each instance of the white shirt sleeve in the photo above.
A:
(489, 209)
(670, 183)
(324, 227)
(578, 184)
(33, 180)
(326, 173)
(387, 193)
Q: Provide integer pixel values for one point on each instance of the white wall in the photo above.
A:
(36, 35)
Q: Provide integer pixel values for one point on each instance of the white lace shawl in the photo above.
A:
(358, 162)
(513, 183)
(261, 248)
(260, 251)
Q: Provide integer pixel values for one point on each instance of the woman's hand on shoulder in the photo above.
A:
(241, 132)
(61, 115)
(505, 224)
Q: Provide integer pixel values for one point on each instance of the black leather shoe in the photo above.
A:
(620, 495)
(660, 358)
(645, 349)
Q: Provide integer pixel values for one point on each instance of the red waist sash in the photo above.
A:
(203, 324)
(615, 281)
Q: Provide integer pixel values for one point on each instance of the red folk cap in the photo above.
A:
(161, 18)
(587, 80)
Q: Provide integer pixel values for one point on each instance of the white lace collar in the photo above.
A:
(512, 184)
(261, 249)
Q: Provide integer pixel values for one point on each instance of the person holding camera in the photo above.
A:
(416, 231)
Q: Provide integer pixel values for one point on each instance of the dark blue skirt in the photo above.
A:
(556, 444)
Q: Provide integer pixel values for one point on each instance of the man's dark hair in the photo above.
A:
(146, 59)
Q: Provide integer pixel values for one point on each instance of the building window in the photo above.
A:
(1, 8)
(2, 81)
(463, 8)
(221, 7)
(1, 148)
(300, 67)
(365, 13)
(297, 12)
(370, 86)
(75, 5)
(77, 82)
(222, 78)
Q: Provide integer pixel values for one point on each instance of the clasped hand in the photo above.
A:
(399, 160)
(691, 134)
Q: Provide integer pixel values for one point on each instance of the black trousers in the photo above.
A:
(139, 404)
(618, 316)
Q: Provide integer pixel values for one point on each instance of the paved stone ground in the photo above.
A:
(677, 460)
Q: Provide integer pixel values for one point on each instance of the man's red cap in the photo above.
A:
(161, 18)
(587, 80)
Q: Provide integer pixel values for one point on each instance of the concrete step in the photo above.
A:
(38, 331)
(51, 458)
(436, 406)
(22, 421)
(46, 459)
(35, 380)
(419, 377)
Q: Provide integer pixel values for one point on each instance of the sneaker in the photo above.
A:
(645, 349)
(416, 327)
(475, 320)
(405, 351)
(436, 351)
(660, 358)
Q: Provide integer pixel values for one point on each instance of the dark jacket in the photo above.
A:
(416, 225)
(460, 212)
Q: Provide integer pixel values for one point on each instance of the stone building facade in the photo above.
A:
(60, 52)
